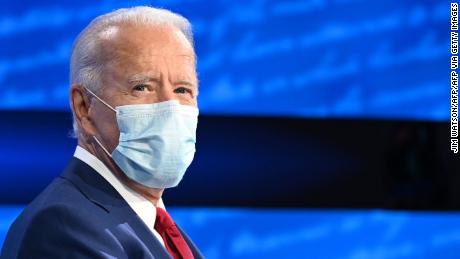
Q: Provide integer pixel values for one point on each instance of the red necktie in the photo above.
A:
(174, 241)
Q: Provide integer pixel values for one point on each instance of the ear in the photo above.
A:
(81, 104)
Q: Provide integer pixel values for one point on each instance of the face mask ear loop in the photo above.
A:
(106, 104)
(103, 148)
(102, 101)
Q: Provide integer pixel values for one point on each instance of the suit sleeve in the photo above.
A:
(61, 231)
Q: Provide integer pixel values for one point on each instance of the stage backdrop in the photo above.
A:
(304, 104)
(313, 58)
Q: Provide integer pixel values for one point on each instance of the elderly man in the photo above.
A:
(134, 100)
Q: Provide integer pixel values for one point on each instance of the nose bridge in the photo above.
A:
(166, 91)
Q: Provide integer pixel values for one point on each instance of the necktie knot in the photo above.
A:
(163, 221)
(173, 239)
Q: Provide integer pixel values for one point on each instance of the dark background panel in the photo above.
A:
(264, 162)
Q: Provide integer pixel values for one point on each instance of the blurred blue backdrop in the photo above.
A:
(321, 59)
(312, 58)
(332, 234)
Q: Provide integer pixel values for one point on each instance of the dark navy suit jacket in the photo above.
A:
(80, 215)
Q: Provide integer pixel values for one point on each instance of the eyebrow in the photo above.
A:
(186, 82)
(141, 79)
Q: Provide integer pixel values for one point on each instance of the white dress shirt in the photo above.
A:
(143, 207)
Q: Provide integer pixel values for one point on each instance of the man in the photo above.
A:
(134, 100)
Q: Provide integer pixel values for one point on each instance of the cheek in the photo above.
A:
(106, 125)
(188, 101)
(195, 102)
(112, 134)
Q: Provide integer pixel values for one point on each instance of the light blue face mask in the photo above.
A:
(157, 141)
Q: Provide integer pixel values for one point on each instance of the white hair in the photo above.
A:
(85, 61)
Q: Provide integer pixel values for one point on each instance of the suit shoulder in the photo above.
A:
(60, 190)
(56, 230)
(59, 207)
(60, 196)
(60, 230)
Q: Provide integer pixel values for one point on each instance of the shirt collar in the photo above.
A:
(143, 207)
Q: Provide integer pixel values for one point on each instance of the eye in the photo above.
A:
(182, 90)
(140, 88)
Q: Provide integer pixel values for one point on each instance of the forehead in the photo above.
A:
(147, 45)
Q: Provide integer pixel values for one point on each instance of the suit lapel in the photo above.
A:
(196, 252)
(99, 191)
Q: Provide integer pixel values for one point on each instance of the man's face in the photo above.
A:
(145, 64)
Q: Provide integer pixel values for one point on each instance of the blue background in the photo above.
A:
(332, 234)
(313, 59)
